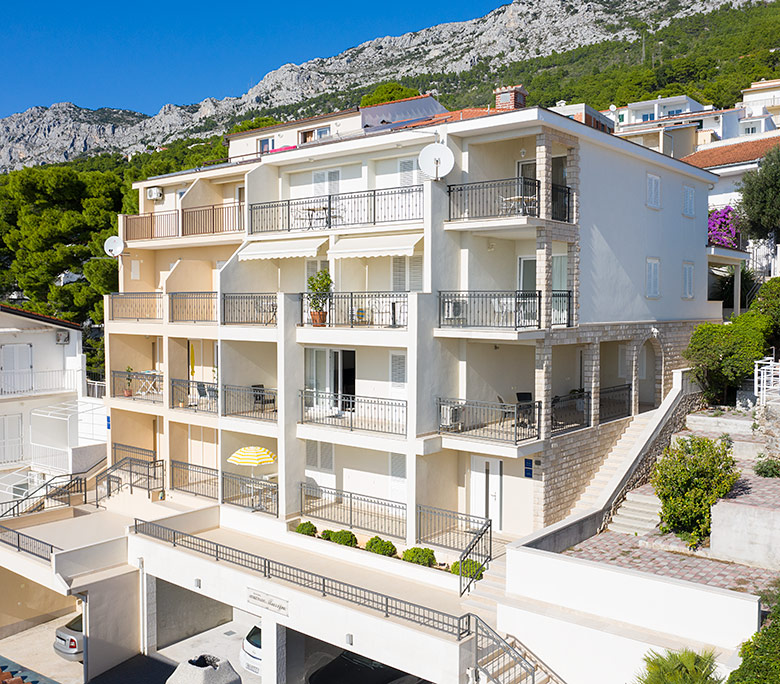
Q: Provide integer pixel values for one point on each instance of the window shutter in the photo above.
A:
(398, 466)
(416, 273)
(406, 171)
(398, 370)
(399, 274)
(319, 183)
(653, 191)
(312, 266)
(311, 454)
(135, 269)
(652, 284)
(326, 456)
(656, 284)
(688, 200)
(334, 176)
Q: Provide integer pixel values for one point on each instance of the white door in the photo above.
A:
(486, 483)
(17, 368)
(397, 489)
(11, 438)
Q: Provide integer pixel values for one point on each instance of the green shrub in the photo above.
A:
(470, 569)
(760, 656)
(767, 301)
(680, 667)
(690, 477)
(768, 465)
(307, 528)
(420, 556)
(343, 537)
(326, 534)
(380, 546)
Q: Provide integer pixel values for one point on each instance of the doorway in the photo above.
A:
(331, 374)
(486, 488)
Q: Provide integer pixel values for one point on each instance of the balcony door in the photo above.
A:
(17, 368)
(331, 374)
(486, 488)
(526, 274)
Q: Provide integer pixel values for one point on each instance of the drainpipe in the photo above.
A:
(84, 629)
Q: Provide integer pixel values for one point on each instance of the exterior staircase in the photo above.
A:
(638, 514)
(612, 463)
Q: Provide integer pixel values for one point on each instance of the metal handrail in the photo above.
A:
(500, 198)
(256, 402)
(561, 196)
(487, 420)
(131, 472)
(195, 479)
(47, 495)
(23, 542)
(356, 309)
(152, 226)
(250, 492)
(614, 402)
(213, 219)
(570, 412)
(136, 306)
(353, 412)
(562, 302)
(497, 659)
(195, 395)
(512, 309)
(135, 385)
(477, 554)
(193, 307)
(249, 308)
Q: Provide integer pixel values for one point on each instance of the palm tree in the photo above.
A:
(680, 667)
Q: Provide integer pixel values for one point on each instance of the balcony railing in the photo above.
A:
(562, 203)
(356, 309)
(22, 542)
(142, 386)
(213, 219)
(195, 395)
(157, 225)
(37, 382)
(250, 492)
(96, 383)
(352, 510)
(246, 308)
(55, 492)
(570, 412)
(120, 451)
(512, 423)
(193, 307)
(134, 471)
(494, 199)
(734, 240)
(256, 402)
(195, 479)
(490, 309)
(49, 459)
(137, 306)
(450, 529)
(352, 412)
(614, 402)
(369, 207)
(562, 307)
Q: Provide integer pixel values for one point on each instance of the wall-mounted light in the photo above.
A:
(522, 153)
(349, 640)
(197, 582)
(491, 245)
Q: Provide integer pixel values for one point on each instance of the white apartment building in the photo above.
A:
(490, 336)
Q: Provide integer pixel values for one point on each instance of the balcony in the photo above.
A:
(140, 386)
(369, 207)
(244, 308)
(570, 412)
(195, 395)
(195, 479)
(214, 219)
(255, 402)
(136, 306)
(157, 225)
(351, 412)
(493, 421)
(490, 309)
(193, 307)
(494, 199)
(250, 492)
(30, 381)
(729, 240)
(562, 307)
(355, 309)
(614, 403)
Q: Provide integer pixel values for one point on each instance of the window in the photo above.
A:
(687, 280)
(314, 266)
(315, 134)
(265, 145)
(621, 117)
(648, 117)
(674, 112)
(135, 269)
(325, 182)
(319, 456)
(624, 370)
(653, 191)
(652, 278)
(622, 360)
(407, 273)
(689, 196)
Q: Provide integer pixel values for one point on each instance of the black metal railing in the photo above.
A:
(251, 492)
(475, 557)
(195, 395)
(195, 479)
(498, 660)
(134, 472)
(22, 542)
(494, 198)
(352, 510)
(450, 529)
(249, 308)
(355, 309)
(369, 207)
(213, 219)
(561, 307)
(490, 309)
(193, 307)
(489, 420)
(562, 203)
(136, 306)
(156, 225)
(120, 451)
(143, 385)
(353, 412)
(614, 403)
(570, 412)
(54, 493)
(256, 401)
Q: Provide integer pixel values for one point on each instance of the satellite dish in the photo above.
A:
(612, 108)
(436, 160)
(113, 246)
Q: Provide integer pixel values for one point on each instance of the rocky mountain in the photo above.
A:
(522, 29)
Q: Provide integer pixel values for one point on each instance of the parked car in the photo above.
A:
(251, 654)
(69, 640)
(351, 668)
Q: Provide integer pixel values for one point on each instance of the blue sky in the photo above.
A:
(142, 55)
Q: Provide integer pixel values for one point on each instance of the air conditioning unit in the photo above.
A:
(155, 193)
(451, 415)
(455, 309)
(62, 337)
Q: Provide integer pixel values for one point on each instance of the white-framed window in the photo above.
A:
(319, 456)
(687, 280)
(407, 273)
(622, 370)
(314, 134)
(653, 278)
(325, 182)
(653, 191)
(265, 145)
(750, 130)
(689, 201)
(314, 266)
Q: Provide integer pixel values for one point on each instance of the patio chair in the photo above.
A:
(507, 412)
(263, 401)
(200, 387)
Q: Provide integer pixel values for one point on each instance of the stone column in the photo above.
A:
(544, 173)
(633, 360)
(573, 280)
(592, 379)
(543, 385)
(544, 275)
(573, 180)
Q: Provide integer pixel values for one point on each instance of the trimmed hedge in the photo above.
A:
(470, 569)
(307, 528)
(420, 556)
(380, 546)
(343, 537)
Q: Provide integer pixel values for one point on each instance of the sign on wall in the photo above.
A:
(267, 601)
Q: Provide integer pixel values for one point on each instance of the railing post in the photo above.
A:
(373, 208)
(329, 217)
(351, 310)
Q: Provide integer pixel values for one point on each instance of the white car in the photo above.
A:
(251, 655)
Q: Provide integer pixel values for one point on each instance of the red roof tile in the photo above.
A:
(738, 153)
(24, 313)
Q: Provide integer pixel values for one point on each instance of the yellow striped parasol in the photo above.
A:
(252, 456)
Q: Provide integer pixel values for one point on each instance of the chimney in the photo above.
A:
(510, 97)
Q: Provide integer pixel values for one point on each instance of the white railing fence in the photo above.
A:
(37, 382)
(766, 379)
(49, 459)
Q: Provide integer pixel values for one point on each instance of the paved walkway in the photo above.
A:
(625, 551)
(27, 675)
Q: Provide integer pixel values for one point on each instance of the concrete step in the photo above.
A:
(631, 529)
(639, 518)
(742, 446)
(650, 499)
(720, 424)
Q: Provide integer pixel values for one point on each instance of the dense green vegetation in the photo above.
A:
(387, 92)
(680, 667)
(761, 654)
(759, 209)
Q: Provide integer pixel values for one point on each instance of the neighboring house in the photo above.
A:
(762, 97)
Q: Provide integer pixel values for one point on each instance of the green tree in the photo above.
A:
(387, 92)
(680, 667)
(767, 302)
(760, 204)
(257, 122)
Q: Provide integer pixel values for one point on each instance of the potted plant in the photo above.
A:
(320, 285)
(128, 391)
